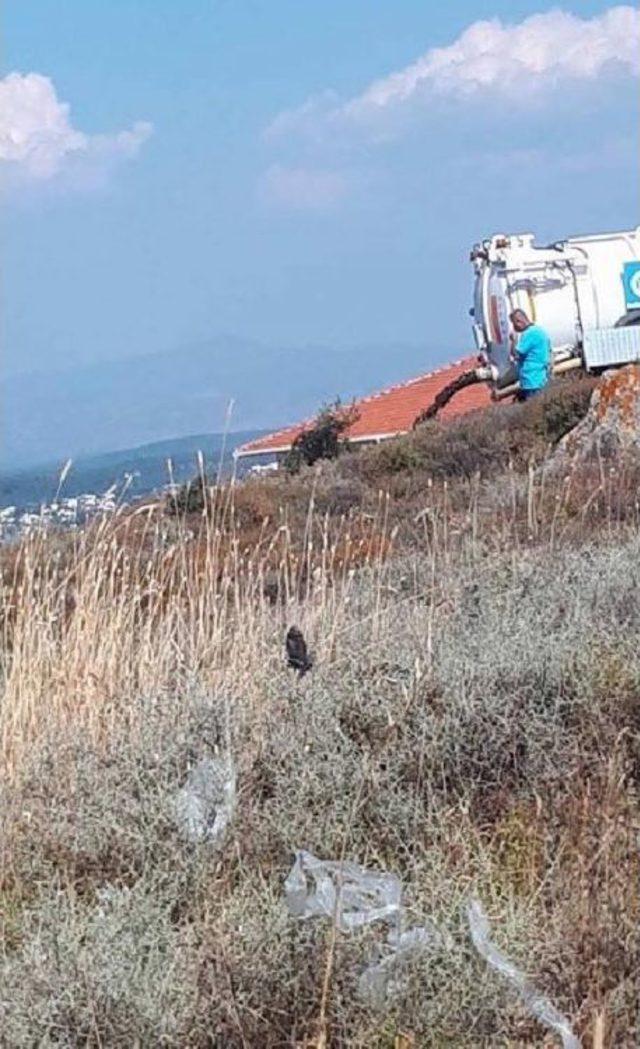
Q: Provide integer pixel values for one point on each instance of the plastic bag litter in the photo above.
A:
(384, 979)
(539, 1007)
(342, 891)
(354, 897)
(205, 805)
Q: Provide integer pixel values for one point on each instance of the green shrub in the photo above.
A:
(484, 441)
(188, 498)
(324, 439)
(563, 406)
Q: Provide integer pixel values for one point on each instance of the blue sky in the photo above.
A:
(235, 174)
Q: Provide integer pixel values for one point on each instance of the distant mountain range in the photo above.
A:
(135, 471)
(119, 404)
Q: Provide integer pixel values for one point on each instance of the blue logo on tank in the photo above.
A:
(631, 281)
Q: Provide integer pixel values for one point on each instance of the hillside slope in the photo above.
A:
(471, 723)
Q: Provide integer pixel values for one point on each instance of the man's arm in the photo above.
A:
(513, 356)
(522, 347)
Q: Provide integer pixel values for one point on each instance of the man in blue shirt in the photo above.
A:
(532, 355)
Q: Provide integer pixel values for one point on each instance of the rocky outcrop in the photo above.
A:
(611, 425)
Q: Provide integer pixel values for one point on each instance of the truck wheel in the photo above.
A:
(629, 320)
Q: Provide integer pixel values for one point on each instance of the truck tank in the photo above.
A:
(582, 290)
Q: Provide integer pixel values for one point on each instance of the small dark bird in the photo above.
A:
(297, 656)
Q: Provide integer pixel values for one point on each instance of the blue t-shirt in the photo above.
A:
(534, 358)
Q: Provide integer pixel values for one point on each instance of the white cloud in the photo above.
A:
(517, 61)
(38, 142)
(303, 188)
(307, 115)
(613, 154)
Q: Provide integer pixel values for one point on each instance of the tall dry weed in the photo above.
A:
(471, 722)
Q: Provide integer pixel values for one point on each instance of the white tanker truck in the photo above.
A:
(584, 291)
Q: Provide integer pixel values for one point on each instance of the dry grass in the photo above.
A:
(472, 723)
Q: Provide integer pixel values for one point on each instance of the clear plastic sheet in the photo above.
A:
(354, 897)
(383, 980)
(342, 891)
(539, 1007)
(205, 805)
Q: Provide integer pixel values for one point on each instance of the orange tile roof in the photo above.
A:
(391, 411)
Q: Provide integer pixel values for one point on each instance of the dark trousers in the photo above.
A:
(526, 395)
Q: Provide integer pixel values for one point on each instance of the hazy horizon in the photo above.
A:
(219, 383)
